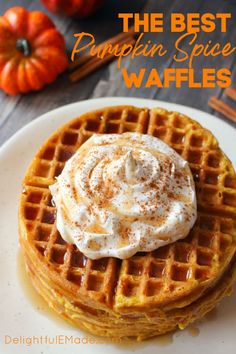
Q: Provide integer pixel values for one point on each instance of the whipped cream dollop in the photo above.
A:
(124, 193)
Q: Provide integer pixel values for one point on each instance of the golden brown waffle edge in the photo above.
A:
(171, 277)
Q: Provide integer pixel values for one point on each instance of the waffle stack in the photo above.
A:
(150, 293)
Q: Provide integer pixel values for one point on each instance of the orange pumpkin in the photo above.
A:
(79, 8)
(32, 51)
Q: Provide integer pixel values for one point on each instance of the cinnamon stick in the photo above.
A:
(121, 37)
(80, 61)
(95, 63)
(223, 108)
(231, 92)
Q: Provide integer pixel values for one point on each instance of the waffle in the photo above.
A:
(150, 293)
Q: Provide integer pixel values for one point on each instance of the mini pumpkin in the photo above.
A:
(78, 8)
(32, 51)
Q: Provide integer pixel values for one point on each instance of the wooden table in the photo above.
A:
(17, 111)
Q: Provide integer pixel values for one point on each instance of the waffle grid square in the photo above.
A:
(146, 277)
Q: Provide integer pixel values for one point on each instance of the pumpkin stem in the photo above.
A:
(23, 45)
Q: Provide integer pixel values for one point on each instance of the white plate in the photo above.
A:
(21, 318)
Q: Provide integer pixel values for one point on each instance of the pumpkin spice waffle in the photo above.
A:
(149, 293)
